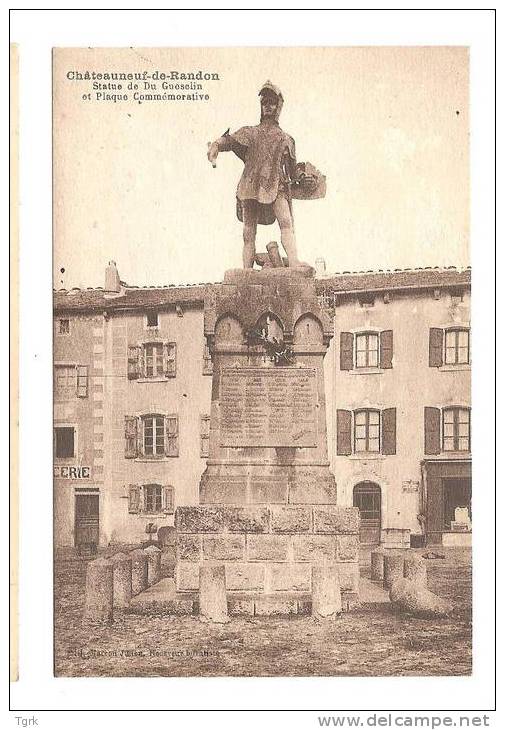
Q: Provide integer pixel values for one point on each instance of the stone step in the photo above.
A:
(163, 598)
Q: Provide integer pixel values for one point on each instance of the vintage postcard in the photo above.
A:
(262, 361)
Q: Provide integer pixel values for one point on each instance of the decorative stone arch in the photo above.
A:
(228, 330)
(272, 323)
(308, 329)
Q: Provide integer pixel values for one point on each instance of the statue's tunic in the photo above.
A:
(269, 160)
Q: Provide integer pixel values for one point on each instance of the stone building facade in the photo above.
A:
(132, 395)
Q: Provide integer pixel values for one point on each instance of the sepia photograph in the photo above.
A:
(262, 348)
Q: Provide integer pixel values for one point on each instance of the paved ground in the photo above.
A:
(373, 641)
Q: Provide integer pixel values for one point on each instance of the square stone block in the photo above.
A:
(267, 547)
(314, 548)
(290, 519)
(201, 518)
(347, 547)
(189, 547)
(336, 520)
(246, 519)
(348, 574)
(187, 576)
(290, 577)
(223, 490)
(223, 547)
(245, 577)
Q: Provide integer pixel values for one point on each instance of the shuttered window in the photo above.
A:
(152, 498)
(456, 429)
(436, 352)
(362, 350)
(366, 431)
(82, 381)
(153, 435)
(65, 382)
(457, 347)
(367, 350)
(152, 360)
(64, 442)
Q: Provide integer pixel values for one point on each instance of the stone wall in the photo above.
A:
(267, 549)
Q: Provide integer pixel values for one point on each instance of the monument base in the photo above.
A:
(267, 550)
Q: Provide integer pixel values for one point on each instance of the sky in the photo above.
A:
(389, 127)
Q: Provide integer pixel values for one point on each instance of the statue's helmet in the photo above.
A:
(271, 90)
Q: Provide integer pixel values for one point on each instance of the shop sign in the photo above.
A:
(72, 472)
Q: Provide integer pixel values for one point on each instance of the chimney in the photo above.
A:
(320, 268)
(112, 282)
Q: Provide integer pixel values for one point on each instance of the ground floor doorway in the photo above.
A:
(87, 519)
(367, 498)
(448, 501)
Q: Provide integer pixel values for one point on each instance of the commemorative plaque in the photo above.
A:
(268, 407)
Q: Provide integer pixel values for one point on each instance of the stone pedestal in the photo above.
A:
(267, 497)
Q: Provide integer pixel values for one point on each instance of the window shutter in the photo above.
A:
(436, 347)
(131, 433)
(386, 349)
(344, 441)
(431, 430)
(134, 355)
(389, 431)
(172, 435)
(82, 381)
(168, 499)
(346, 350)
(133, 498)
(170, 359)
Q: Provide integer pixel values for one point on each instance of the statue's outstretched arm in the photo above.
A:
(223, 144)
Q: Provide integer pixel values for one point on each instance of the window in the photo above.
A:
(152, 318)
(152, 498)
(204, 435)
(152, 435)
(152, 360)
(70, 381)
(457, 347)
(65, 381)
(367, 350)
(64, 442)
(366, 431)
(456, 429)
(153, 354)
(449, 346)
(63, 327)
(207, 359)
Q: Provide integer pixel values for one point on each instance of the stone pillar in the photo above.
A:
(415, 570)
(153, 565)
(393, 569)
(139, 571)
(213, 605)
(326, 598)
(122, 579)
(99, 592)
(377, 564)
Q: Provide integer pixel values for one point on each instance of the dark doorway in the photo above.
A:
(367, 498)
(86, 523)
(457, 504)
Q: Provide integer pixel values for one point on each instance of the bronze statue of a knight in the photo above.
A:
(271, 176)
